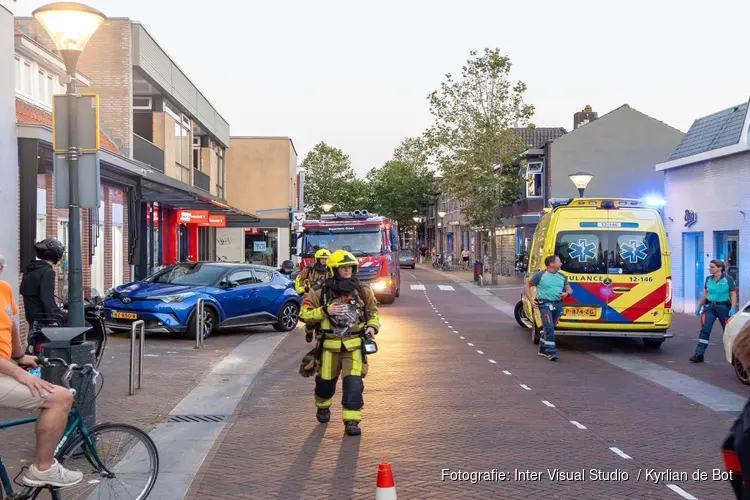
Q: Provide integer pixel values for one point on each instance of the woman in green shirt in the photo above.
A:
(719, 301)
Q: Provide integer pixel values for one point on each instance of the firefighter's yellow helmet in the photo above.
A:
(341, 258)
(323, 253)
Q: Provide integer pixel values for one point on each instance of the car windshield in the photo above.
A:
(609, 252)
(188, 274)
(359, 240)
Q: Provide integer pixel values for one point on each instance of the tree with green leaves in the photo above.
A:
(403, 186)
(473, 141)
(330, 178)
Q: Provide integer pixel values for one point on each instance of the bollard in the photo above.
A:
(199, 324)
(140, 327)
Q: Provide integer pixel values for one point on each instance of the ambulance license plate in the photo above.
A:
(581, 312)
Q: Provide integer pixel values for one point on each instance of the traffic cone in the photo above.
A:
(386, 488)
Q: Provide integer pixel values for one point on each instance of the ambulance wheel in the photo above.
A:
(653, 343)
(521, 318)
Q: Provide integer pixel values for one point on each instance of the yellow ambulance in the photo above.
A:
(614, 252)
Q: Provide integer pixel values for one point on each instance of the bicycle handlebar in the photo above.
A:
(69, 368)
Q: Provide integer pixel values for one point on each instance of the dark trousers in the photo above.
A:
(711, 312)
(551, 312)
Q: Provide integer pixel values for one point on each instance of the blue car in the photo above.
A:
(235, 295)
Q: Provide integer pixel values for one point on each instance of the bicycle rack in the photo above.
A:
(140, 328)
(200, 323)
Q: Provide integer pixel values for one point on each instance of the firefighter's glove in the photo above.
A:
(310, 364)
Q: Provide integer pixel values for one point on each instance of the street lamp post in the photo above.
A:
(71, 25)
(581, 180)
(442, 230)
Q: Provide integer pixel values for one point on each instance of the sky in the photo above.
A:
(356, 74)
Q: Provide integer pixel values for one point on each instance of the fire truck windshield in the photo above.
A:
(362, 241)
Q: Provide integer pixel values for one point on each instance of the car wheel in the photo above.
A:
(210, 323)
(521, 318)
(740, 371)
(288, 318)
(653, 343)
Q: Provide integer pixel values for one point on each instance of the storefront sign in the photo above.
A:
(193, 216)
(252, 231)
(215, 221)
(690, 218)
(259, 246)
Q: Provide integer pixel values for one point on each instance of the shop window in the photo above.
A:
(727, 249)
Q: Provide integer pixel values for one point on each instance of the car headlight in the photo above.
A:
(379, 286)
(178, 297)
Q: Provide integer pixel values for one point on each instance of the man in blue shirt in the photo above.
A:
(551, 288)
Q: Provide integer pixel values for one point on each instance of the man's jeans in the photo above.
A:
(711, 312)
(551, 312)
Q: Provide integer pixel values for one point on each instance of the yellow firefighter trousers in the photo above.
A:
(353, 368)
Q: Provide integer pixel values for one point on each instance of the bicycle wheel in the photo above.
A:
(124, 450)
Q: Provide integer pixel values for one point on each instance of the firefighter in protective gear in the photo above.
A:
(346, 312)
(312, 278)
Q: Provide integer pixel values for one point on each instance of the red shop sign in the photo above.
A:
(252, 231)
(193, 216)
(215, 221)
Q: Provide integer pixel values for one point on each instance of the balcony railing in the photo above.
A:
(148, 152)
(201, 180)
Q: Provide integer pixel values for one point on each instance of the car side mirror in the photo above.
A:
(228, 284)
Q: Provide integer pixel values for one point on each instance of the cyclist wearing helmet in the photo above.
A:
(287, 268)
(38, 283)
(346, 312)
(312, 277)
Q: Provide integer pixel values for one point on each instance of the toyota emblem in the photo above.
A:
(126, 300)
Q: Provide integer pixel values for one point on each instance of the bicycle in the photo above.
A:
(87, 445)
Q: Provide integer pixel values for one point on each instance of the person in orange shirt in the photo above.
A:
(23, 391)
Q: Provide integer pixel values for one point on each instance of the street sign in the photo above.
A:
(87, 120)
(89, 181)
(298, 218)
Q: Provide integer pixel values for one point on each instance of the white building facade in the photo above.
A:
(707, 188)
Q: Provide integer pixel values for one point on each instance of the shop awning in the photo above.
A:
(162, 189)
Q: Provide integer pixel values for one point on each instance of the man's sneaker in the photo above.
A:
(552, 357)
(56, 475)
(323, 415)
(352, 427)
(308, 336)
(697, 358)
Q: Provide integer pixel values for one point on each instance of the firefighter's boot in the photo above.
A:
(323, 415)
(352, 428)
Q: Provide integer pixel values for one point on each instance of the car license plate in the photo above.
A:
(581, 312)
(124, 315)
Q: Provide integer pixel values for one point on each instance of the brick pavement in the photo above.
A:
(171, 369)
(657, 427)
(432, 402)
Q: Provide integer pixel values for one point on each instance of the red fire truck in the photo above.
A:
(373, 239)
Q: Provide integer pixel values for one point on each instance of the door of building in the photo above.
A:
(727, 249)
(183, 243)
(693, 271)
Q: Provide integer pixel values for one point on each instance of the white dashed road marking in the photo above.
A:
(681, 492)
(462, 338)
(695, 390)
(618, 451)
(417, 287)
